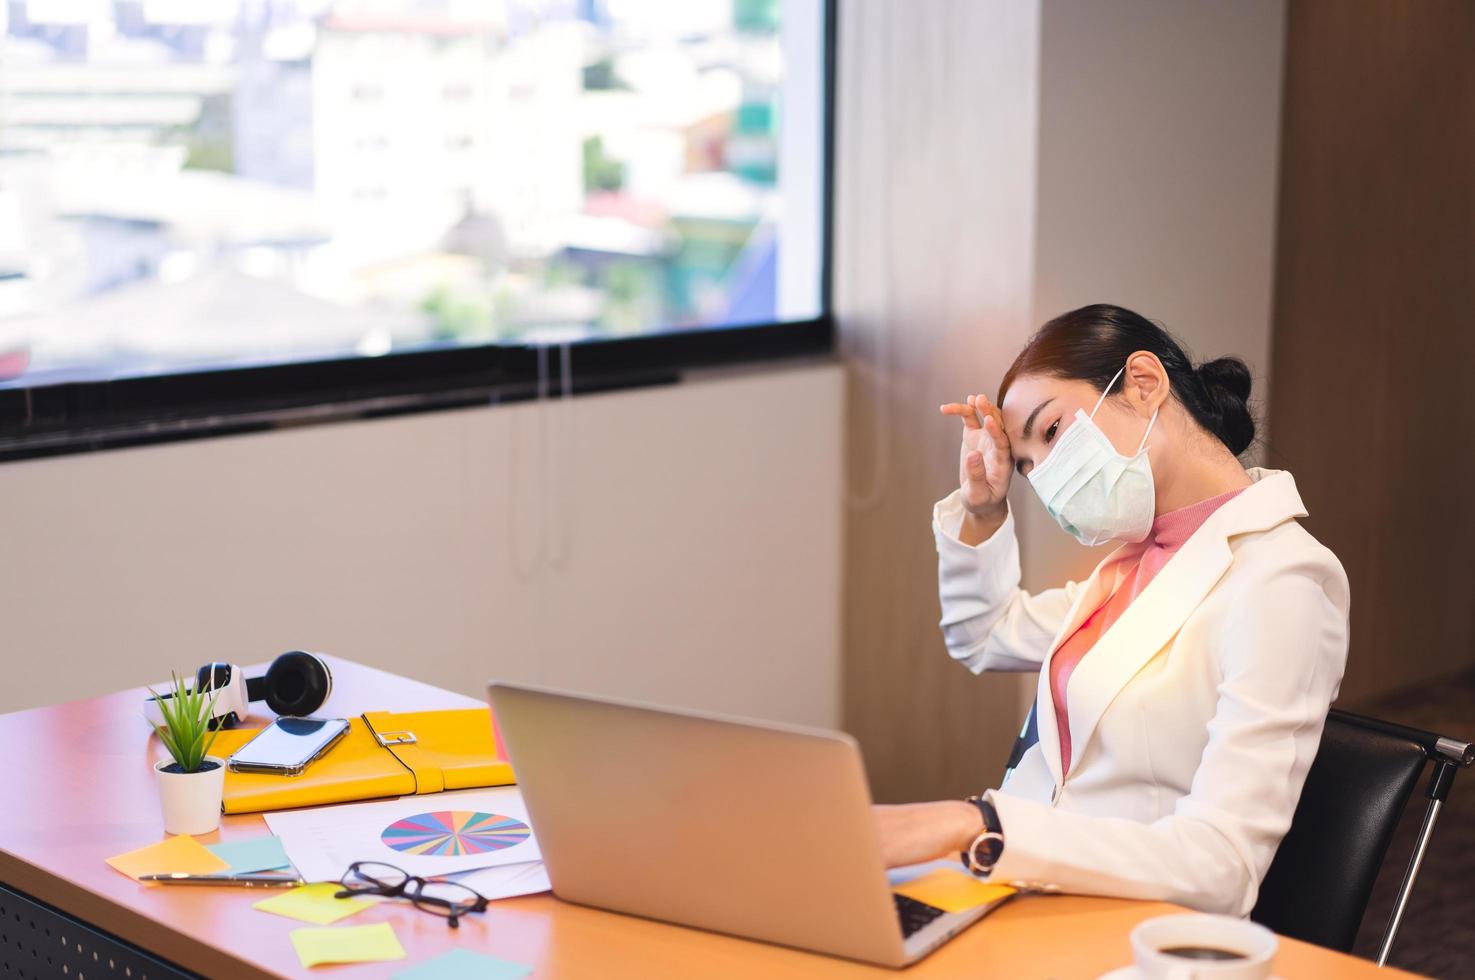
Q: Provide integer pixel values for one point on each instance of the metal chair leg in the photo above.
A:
(1409, 877)
(1439, 783)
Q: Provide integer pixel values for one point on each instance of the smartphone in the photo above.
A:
(288, 745)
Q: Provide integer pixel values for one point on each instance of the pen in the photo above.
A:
(258, 880)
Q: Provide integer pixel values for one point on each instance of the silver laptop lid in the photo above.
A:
(756, 829)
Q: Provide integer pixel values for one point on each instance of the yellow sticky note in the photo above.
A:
(347, 944)
(313, 903)
(952, 891)
(172, 855)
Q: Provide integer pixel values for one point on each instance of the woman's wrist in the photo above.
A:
(979, 526)
(910, 833)
(967, 823)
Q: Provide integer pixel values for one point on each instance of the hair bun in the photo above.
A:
(1229, 373)
(1227, 381)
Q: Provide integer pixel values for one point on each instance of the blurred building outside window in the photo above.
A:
(188, 184)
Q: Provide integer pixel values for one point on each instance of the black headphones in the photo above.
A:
(296, 684)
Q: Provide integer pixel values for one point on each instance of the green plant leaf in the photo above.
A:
(186, 732)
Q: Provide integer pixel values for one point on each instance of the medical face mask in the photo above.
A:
(1093, 491)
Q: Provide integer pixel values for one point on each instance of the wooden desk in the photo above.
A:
(77, 788)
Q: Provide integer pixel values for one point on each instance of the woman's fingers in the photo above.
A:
(972, 411)
(996, 436)
(964, 412)
(987, 408)
(1001, 460)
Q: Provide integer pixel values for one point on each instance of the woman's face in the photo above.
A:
(1038, 409)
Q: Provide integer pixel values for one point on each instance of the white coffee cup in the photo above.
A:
(1203, 947)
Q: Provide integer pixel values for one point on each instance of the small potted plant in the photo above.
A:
(192, 781)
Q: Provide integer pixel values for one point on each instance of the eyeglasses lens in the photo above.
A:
(446, 898)
(370, 874)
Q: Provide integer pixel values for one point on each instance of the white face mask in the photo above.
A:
(1093, 491)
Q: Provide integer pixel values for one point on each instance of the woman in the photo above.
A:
(1183, 686)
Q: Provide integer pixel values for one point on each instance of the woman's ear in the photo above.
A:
(1146, 385)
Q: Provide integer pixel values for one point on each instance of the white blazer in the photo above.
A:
(1194, 718)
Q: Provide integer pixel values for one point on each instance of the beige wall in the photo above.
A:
(1000, 163)
(1158, 152)
(675, 544)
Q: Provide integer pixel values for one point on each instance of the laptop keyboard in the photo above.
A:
(913, 914)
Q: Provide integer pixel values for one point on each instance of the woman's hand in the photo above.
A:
(985, 465)
(911, 833)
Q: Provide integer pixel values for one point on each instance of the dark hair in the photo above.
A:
(1093, 342)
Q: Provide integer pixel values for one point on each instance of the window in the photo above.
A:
(220, 189)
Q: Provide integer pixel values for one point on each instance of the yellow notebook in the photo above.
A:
(385, 753)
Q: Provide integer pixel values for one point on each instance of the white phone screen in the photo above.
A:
(289, 742)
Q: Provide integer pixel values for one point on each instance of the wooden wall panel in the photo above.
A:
(934, 203)
(1374, 333)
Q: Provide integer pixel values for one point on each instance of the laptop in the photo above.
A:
(748, 828)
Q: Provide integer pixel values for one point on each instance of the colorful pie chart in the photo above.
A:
(454, 833)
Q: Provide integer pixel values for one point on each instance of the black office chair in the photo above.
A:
(1318, 886)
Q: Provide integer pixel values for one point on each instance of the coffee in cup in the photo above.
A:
(1203, 947)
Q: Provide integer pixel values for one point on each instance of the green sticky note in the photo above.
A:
(254, 854)
(347, 944)
(463, 964)
(313, 903)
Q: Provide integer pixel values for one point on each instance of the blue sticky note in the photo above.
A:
(463, 964)
(255, 854)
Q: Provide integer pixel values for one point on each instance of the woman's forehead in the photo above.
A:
(1022, 395)
(1029, 392)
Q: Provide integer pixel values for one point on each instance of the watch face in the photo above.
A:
(984, 852)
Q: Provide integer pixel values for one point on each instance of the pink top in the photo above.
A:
(1168, 533)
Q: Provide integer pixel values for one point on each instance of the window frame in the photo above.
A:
(84, 416)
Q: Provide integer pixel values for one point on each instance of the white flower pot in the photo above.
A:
(191, 800)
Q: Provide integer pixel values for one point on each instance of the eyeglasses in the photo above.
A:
(443, 898)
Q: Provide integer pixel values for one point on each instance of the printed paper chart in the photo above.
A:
(454, 833)
(443, 833)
